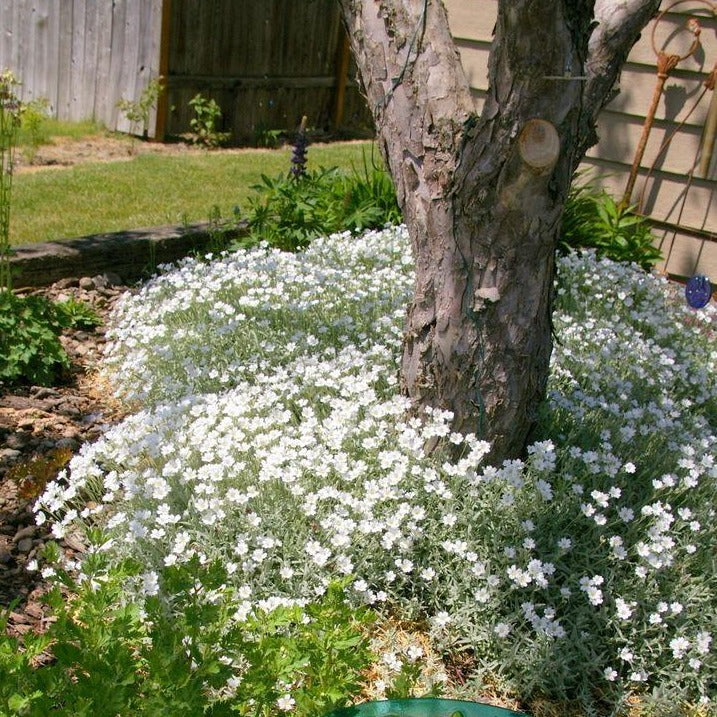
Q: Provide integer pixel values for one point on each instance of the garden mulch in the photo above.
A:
(40, 429)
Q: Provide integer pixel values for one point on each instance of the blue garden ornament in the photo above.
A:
(698, 291)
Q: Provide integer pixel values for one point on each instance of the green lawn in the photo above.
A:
(151, 190)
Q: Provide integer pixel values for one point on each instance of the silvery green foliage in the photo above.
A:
(273, 437)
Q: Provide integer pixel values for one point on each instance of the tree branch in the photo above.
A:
(618, 24)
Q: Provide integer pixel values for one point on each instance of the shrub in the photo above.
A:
(137, 112)
(33, 126)
(205, 123)
(30, 347)
(291, 210)
(581, 572)
(198, 650)
(593, 220)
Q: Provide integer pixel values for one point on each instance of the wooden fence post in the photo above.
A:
(160, 126)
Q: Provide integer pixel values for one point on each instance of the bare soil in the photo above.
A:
(40, 429)
(65, 152)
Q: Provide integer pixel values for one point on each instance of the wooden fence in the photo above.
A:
(266, 63)
(81, 55)
(681, 203)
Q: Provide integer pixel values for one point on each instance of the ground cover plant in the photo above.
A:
(270, 438)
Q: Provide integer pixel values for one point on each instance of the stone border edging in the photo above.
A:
(132, 254)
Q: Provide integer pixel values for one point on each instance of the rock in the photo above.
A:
(35, 610)
(17, 441)
(73, 543)
(86, 283)
(66, 283)
(9, 454)
(100, 281)
(70, 441)
(19, 618)
(5, 557)
(25, 545)
(68, 409)
(113, 279)
(41, 392)
(27, 532)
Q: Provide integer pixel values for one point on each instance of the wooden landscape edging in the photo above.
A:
(132, 254)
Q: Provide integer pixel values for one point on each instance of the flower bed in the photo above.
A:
(270, 440)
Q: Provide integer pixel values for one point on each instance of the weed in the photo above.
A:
(137, 112)
(33, 127)
(207, 116)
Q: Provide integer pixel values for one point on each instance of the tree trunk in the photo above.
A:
(483, 196)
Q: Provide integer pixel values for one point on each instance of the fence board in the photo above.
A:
(64, 59)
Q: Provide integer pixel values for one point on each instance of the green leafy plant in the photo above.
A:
(292, 209)
(593, 220)
(205, 123)
(137, 111)
(30, 326)
(190, 650)
(268, 138)
(33, 127)
(30, 349)
(77, 314)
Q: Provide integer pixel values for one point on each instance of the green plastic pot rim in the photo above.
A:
(424, 707)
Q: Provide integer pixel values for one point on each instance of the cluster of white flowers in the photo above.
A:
(272, 437)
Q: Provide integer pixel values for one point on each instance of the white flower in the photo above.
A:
(623, 609)
(679, 646)
(392, 661)
(482, 595)
(610, 674)
(286, 703)
(404, 565)
(702, 642)
(441, 619)
(626, 514)
(502, 629)
(545, 489)
(150, 583)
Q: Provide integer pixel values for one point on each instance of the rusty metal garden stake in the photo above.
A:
(665, 64)
(708, 138)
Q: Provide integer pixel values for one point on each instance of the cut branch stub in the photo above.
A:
(538, 153)
(539, 145)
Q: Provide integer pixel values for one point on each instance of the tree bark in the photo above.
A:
(483, 196)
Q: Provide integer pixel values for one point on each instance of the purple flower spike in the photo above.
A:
(298, 157)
